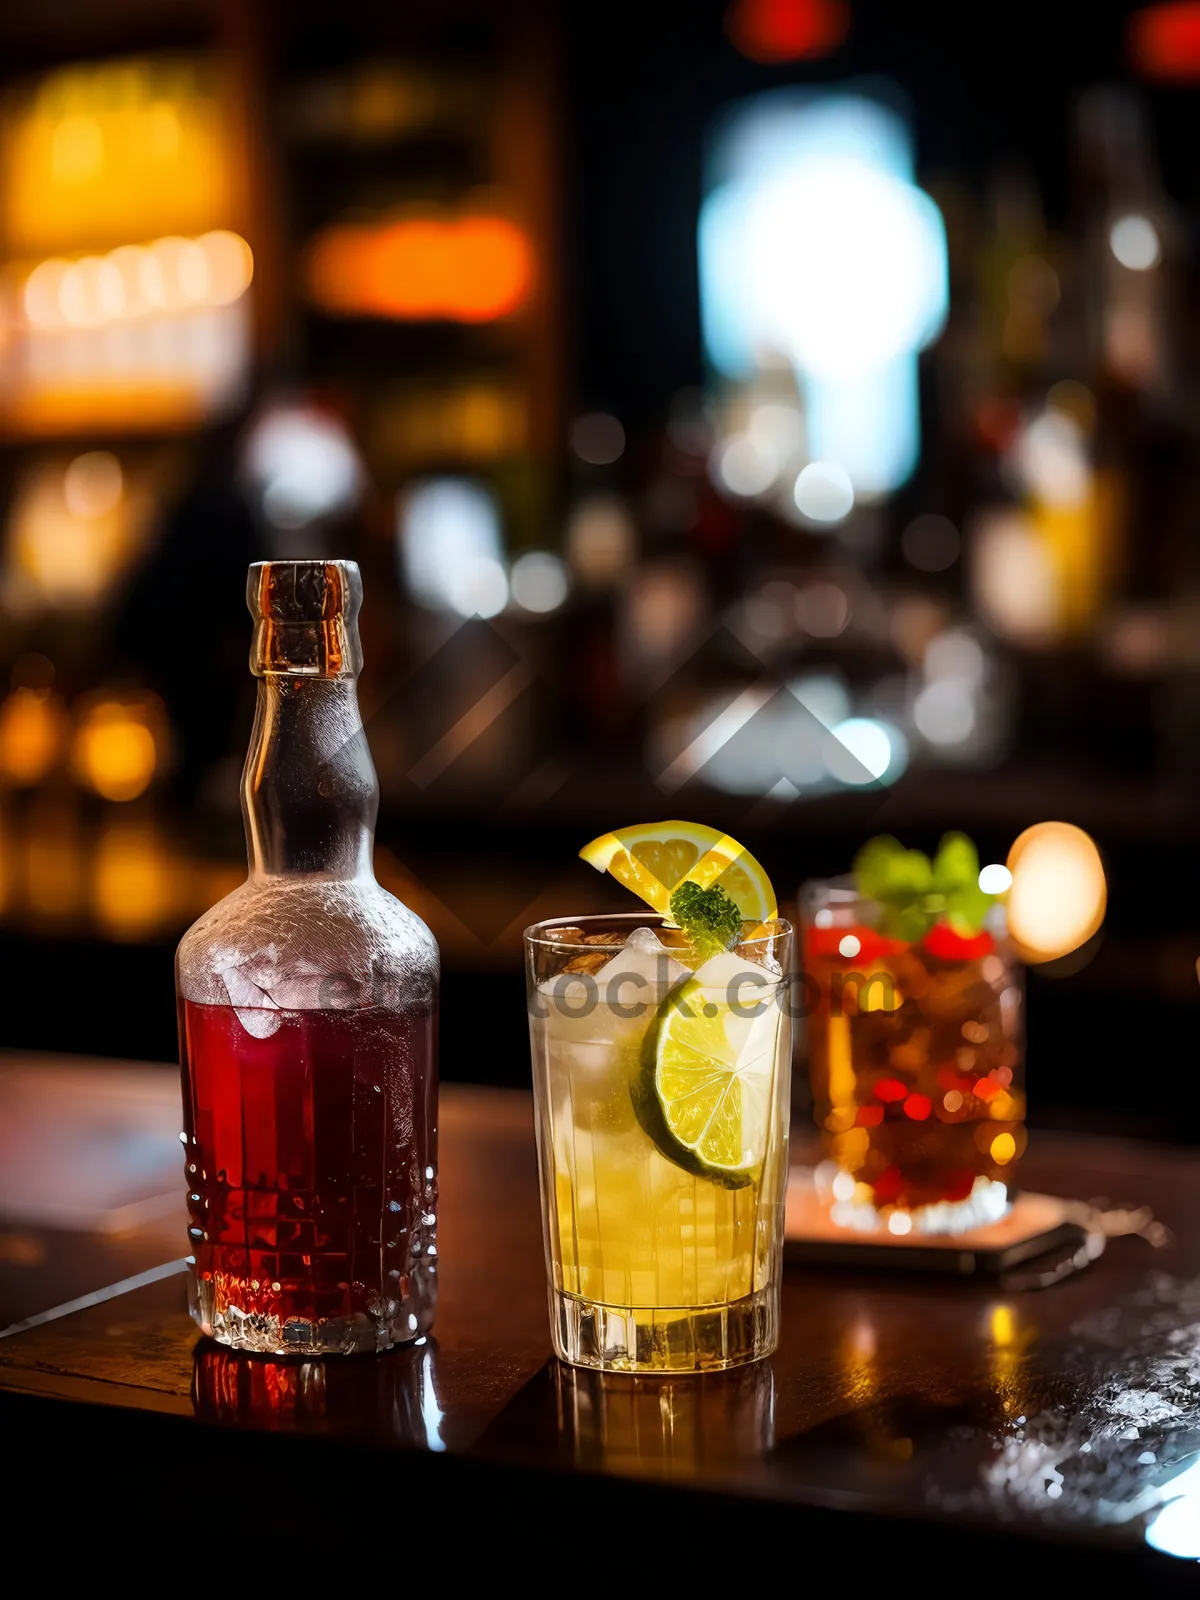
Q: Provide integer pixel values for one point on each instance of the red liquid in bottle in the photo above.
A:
(311, 1161)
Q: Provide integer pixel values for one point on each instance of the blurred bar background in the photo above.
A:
(782, 413)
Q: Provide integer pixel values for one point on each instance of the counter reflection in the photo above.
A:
(394, 1399)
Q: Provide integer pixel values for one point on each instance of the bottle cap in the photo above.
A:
(305, 618)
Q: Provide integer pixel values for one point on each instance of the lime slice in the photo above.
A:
(708, 1073)
(654, 858)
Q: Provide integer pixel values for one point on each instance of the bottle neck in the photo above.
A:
(309, 791)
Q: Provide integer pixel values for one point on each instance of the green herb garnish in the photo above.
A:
(709, 917)
(915, 892)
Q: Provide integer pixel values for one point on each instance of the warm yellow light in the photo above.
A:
(1004, 1148)
(76, 149)
(1058, 893)
(1009, 1340)
(127, 263)
(115, 150)
(857, 1358)
(171, 257)
(192, 272)
(135, 884)
(52, 867)
(138, 280)
(74, 367)
(229, 265)
(32, 725)
(90, 292)
(151, 287)
(162, 131)
(1003, 1325)
(72, 529)
(467, 268)
(41, 295)
(475, 422)
(115, 752)
(93, 484)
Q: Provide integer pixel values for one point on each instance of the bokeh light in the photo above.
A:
(135, 882)
(303, 464)
(823, 610)
(865, 750)
(824, 696)
(787, 30)
(601, 539)
(539, 581)
(154, 333)
(74, 526)
(1134, 242)
(1050, 457)
(93, 484)
(1058, 894)
(824, 492)
(743, 467)
(1164, 41)
(930, 543)
(1003, 1148)
(815, 246)
(944, 712)
(598, 438)
(777, 430)
(115, 750)
(1014, 585)
(478, 589)
(138, 281)
(33, 728)
(451, 552)
(426, 267)
(112, 150)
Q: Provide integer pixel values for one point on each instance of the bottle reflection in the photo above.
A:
(857, 1362)
(664, 1427)
(393, 1397)
(1009, 1337)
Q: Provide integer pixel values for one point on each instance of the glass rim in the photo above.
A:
(839, 886)
(541, 933)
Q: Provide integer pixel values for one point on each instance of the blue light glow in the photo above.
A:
(816, 247)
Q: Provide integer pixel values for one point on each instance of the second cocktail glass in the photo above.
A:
(662, 1086)
(915, 1055)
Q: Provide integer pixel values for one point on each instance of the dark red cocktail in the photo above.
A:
(915, 1046)
(311, 1158)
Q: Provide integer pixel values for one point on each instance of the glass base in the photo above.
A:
(664, 1338)
(266, 1334)
(988, 1202)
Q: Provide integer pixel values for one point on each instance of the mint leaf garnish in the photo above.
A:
(956, 874)
(709, 917)
(913, 892)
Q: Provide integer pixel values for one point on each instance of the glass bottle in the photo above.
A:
(307, 1021)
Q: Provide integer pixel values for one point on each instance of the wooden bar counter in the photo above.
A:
(911, 1433)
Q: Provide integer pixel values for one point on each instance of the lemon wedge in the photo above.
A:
(653, 858)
